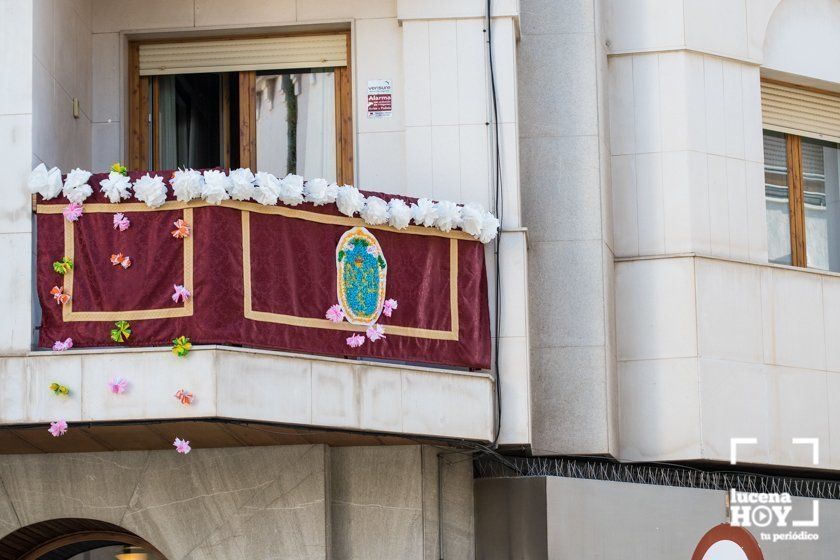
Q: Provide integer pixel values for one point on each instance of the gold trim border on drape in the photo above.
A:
(316, 323)
(186, 310)
(246, 208)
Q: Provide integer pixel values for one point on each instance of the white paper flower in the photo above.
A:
(349, 200)
(216, 185)
(291, 189)
(241, 185)
(375, 211)
(150, 190)
(46, 183)
(489, 228)
(448, 215)
(116, 187)
(319, 192)
(399, 212)
(267, 188)
(424, 212)
(76, 188)
(471, 217)
(187, 184)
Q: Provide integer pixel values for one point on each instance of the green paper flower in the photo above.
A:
(63, 266)
(118, 168)
(121, 332)
(59, 389)
(181, 346)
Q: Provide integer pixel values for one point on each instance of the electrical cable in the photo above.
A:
(499, 209)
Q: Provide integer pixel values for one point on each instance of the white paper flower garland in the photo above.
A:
(215, 186)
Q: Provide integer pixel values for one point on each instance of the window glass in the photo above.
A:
(190, 113)
(821, 194)
(777, 198)
(296, 129)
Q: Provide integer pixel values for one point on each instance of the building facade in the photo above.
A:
(665, 173)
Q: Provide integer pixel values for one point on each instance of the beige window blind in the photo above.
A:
(800, 111)
(229, 55)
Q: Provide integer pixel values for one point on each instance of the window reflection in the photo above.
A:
(777, 198)
(821, 193)
(296, 130)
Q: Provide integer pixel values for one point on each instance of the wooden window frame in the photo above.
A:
(139, 115)
(796, 201)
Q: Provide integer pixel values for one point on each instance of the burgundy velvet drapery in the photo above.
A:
(292, 276)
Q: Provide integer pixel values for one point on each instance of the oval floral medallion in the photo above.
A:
(362, 271)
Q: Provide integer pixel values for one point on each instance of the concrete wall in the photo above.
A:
(722, 344)
(620, 521)
(566, 206)
(307, 501)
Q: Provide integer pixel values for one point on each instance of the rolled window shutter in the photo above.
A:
(229, 55)
(800, 111)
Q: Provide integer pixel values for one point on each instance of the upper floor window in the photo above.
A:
(802, 176)
(278, 104)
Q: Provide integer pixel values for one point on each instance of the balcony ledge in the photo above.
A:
(247, 385)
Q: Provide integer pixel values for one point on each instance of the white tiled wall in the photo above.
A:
(62, 71)
(16, 106)
(686, 156)
(765, 357)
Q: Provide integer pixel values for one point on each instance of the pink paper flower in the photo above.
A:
(375, 332)
(371, 250)
(182, 293)
(121, 222)
(118, 385)
(58, 428)
(335, 313)
(61, 346)
(182, 446)
(72, 212)
(389, 306)
(355, 340)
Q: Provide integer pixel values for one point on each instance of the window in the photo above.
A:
(280, 104)
(802, 176)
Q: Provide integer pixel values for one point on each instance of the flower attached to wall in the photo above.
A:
(150, 190)
(185, 397)
(62, 345)
(118, 385)
(182, 229)
(121, 222)
(58, 428)
(182, 446)
(63, 266)
(121, 260)
(59, 389)
(59, 296)
(181, 346)
(72, 212)
(117, 167)
(121, 331)
(356, 340)
(75, 187)
(180, 293)
(389, 306)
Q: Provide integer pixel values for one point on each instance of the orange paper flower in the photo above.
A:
(185, 397)
(59, 296)
(182, 229)
(121, 260)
